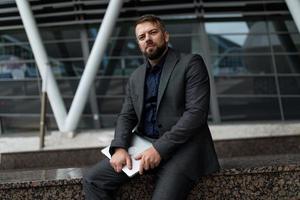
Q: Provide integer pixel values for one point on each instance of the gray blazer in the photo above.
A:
(182, 110)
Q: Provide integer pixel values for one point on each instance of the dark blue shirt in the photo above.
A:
(149, 123)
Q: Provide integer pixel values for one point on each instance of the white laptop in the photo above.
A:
(138, 145)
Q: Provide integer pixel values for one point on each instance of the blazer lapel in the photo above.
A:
(140, 89)
(168, 67)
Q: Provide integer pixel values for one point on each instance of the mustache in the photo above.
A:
(152, 44)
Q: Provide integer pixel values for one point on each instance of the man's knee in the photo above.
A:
(172, 183)
(96, 173)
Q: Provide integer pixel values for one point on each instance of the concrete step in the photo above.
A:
(78, 157)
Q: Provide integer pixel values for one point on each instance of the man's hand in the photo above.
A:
(149, 159)
(119, 159)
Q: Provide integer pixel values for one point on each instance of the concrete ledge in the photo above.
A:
(56, 140)
(64, 158)
(275, 182)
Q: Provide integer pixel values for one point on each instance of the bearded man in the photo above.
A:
(167, 102)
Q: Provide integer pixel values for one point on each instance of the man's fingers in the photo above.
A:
(128, 162)
(119, 167)
(141, 167)
(113, 165)
(152, 165)
(146, 164)
(138, 157)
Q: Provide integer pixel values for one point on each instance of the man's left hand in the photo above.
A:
(149, 159)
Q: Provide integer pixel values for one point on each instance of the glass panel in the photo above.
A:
(111, 67)
(182, 27)
(67, 68)
(68, 102)
(131, 64)
(291, 107)
(17, 51)
(289, 85)
(288, 63)
(108, 121)
(12, 67)
(20, 88)
(127, 28)
(220, 44)
(110, 86)
(186, 44)
(121, 29)
(281, 25)
(121, 47)
(245, 85)
(68, 86)
(236, 27)
(285, 42)
(110, 105)
(242, 109)
(58, 33)
(13, 106)
(241, 64)
(21, 123)
(13, 36)
(64, 49)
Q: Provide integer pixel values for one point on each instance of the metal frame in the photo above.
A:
(68, 122)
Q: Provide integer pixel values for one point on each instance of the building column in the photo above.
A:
(43, 63)
(93, 64)
(214, 105)
(294, 7)
(92, 96)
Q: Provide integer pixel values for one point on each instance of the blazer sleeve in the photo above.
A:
(197, 96)
(126, 121)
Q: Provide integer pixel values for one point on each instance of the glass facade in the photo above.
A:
(253, 58)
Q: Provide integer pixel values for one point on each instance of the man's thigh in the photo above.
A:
(103, 176)
(171, 183)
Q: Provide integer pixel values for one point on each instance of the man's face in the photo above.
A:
(151, 39)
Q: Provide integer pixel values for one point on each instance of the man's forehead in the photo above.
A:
(145, 26)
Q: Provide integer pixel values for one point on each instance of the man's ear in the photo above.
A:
(167, 36)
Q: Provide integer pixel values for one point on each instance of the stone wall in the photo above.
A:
(276, 182)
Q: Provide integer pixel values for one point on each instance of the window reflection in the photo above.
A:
(225, 44)
(243, 109)
(236, 27)
(245, 85)
(285, 42)
(288, 63)
(291, 108)
(289, 85)
(227, 64)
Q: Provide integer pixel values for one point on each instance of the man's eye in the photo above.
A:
(141, 38)
(153, 32)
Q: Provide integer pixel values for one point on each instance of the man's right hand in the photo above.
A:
(119, 159)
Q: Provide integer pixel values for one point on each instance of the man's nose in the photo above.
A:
(148, 38)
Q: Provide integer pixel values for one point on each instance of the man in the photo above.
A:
(167, 102)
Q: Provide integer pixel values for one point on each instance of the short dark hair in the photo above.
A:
(153, 19)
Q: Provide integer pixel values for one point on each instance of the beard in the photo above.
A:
(156, 53)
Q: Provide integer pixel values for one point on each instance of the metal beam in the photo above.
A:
(93, 64)
(68, 123)
(294, 7)
(93, 97)
(42, 61)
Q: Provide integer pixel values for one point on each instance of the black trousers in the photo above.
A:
(101, 182)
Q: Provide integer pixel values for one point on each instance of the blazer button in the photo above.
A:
(159, 126)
